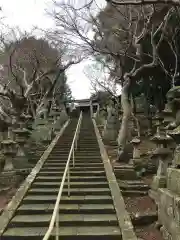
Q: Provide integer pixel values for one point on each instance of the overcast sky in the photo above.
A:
(28, 13)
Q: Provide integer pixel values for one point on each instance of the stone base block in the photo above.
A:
(46, 142)
(169, 213)
(173, 180)
(9, 179)
(21, 162)
(154, 195)
(158, 182)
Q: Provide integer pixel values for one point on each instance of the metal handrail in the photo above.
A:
(55, 215)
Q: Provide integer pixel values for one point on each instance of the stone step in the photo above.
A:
(137, 185)
(77, 161)
(77, 164)
(46, 172)
(73, 178)
(125, 174)
(65, 220)
(133, 193)
(122, 167)
(63, 145)
(84, 141)
(72, 184)
(66, 208)
(77, 153)
(68, 233)
(87, 147)
(86, 199)
(74, 191)
(74, 169)
(78, 149)
(88, 213)
(78, 157)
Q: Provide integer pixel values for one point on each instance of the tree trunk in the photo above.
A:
(126, 107)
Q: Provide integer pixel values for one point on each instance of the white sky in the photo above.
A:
(29, 13)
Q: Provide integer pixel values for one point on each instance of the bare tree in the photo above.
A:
(31, 71)
(119, 32)
(142, 2)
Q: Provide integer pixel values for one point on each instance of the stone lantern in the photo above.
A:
(51, 124)
(169, 197)
(51, 117)
(149, 130)
(57, 122)
(163, 156)
(162, 140)
(173, 97)
(9, 150)
(167, 115)
(29, 122)
(4, 127)
(157, 122)
(42, 131)
(111, 127)
(175, 134)
(136, 151)
(22, 136)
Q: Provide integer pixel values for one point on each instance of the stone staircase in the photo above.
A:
(133, 188)
(88, 213)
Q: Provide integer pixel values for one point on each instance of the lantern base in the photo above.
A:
(21, 162)
(8, 179)
(8, 166)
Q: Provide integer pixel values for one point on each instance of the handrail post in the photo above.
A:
(73, 158)
(68, 182)
(76, 143)
(57, 225)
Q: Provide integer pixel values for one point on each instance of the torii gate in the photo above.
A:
(85, 105)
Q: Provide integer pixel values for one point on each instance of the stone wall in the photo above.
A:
(169, 206)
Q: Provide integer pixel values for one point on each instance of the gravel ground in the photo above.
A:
(148, 233)
(142, 204)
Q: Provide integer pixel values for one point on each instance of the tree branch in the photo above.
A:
(143, 2)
